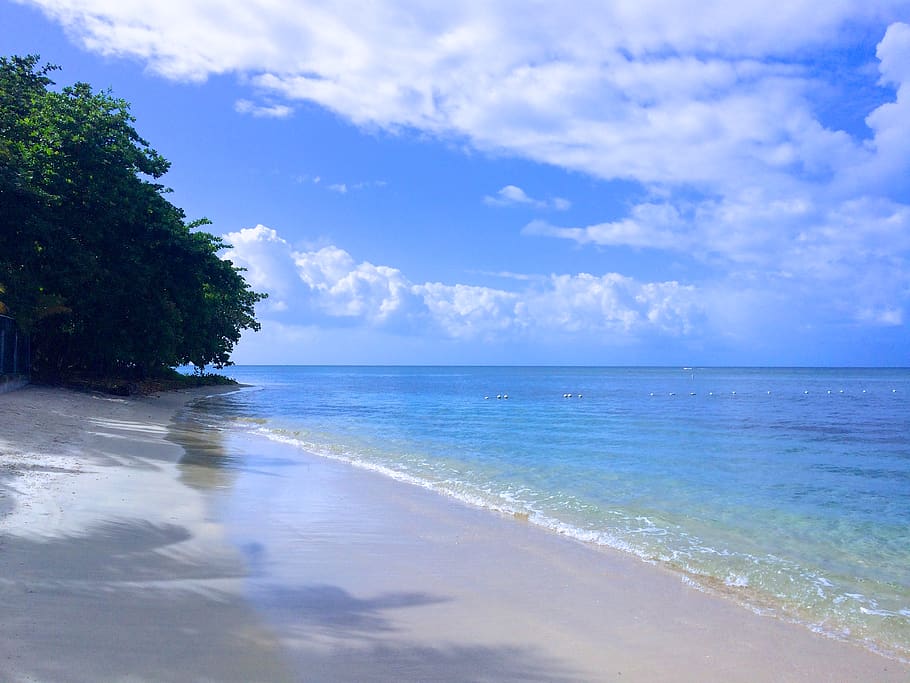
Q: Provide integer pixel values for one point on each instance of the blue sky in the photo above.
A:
(657, 183)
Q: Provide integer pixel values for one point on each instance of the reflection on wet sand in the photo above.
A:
(206, 463)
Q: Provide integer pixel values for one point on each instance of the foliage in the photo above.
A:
(104, 273)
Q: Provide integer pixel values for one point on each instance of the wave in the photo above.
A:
(767, 585)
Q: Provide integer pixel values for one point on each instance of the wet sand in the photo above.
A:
(110, 568)
(142, 548)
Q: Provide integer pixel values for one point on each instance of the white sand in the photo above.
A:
(110, 568)
(127, 558)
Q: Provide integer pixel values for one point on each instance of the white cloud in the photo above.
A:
(363, 185)
(468, 311)
(613, 304)
(649, 225)
(887, 166)
(511, 195)
(655, 91)
(894, 53)
(275, 111)
(360, 185)
(342, 188)
(328, 288)
(330, 283)
(264, 255)
(345, 289)
(856, 252)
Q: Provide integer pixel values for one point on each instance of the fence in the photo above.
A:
(14, 348)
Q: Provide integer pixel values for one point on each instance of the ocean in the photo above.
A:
(786, 490)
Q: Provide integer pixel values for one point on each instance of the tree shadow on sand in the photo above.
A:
(333, 610)
(116, 604)
(128, 601)
(333, 635)
(117, 551)
(455, 663)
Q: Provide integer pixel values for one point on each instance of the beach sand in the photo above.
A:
(135, 547)
(110, 568)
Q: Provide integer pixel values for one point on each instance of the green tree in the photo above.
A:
(102, 270)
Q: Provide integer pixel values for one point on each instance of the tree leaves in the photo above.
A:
(95, 263)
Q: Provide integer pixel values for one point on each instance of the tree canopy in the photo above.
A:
(104, 273)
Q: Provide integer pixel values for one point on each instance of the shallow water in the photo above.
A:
(788, 489)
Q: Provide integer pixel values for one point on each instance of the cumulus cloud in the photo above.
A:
(342, 288)
(611, 303)
(468, 311)
(511, 195)
(264, 255)
(329, 282)
(328, 288)
(887, 165)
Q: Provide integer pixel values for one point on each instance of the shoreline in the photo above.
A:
(749, 600)
(203, 556)
(488, 584)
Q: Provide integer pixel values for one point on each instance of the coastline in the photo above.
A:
(128, 555)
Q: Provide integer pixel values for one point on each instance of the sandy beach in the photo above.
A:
(136, 547)
(110, 568)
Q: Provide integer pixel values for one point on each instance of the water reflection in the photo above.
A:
(214, 456)
(207, 462)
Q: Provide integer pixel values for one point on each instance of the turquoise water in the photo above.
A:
(785, 489)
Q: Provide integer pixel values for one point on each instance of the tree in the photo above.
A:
(102, 270)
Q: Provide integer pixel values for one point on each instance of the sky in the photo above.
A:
(585, 183)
